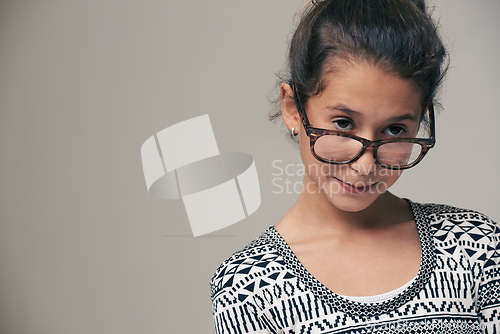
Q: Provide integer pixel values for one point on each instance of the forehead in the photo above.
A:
(367, 88)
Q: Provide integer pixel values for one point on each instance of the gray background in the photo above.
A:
(83, 247)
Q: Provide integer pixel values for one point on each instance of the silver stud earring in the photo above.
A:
(293, 132)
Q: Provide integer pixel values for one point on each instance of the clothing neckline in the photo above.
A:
(380, 297)
(339, 302)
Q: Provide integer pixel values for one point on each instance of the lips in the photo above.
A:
(356, 187)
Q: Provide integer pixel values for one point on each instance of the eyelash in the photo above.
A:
(401, 128)
(342, 120)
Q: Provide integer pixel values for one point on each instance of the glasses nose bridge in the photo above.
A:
(368, 143)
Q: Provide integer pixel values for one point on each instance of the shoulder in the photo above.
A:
(458, 229)
(243, 266)
(447, 218)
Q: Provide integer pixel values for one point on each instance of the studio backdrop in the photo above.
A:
(85, 245)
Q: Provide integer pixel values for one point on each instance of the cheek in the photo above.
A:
(305, 152)
(314, 168)
(389, 176)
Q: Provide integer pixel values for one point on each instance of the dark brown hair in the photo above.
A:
(398, 35)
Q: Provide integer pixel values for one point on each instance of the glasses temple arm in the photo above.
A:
(299, 106)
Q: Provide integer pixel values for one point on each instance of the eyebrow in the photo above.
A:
(349, 111)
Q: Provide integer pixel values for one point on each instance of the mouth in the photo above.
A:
(357, 187)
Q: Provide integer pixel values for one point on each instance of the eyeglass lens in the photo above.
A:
(340, 149)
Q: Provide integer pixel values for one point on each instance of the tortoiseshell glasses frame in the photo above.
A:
(315, 133)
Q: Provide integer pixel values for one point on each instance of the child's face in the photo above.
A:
(367, 101)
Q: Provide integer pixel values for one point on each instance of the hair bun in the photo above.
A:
(420, 4)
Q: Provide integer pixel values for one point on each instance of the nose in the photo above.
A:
(365, 164)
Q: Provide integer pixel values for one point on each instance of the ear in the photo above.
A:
(289, 111)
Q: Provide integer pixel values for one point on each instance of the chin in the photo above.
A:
(353, 206)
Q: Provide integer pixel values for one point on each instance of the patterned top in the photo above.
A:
(263, 288)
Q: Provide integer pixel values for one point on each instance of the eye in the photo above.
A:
(395, 130)
(343, 124)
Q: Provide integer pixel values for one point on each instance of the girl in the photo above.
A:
(350, 256)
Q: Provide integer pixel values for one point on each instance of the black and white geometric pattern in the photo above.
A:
(263, 288)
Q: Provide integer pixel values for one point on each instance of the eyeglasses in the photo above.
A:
(338, 148)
